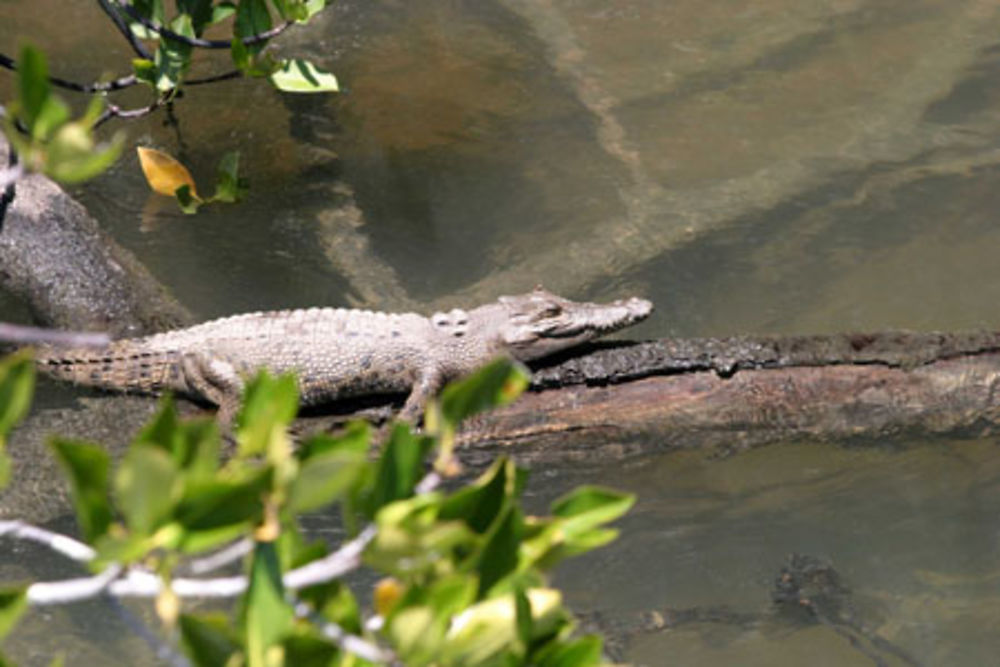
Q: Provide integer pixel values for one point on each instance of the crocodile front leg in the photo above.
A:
(428, 384)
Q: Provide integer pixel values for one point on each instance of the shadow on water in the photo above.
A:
(771, 167)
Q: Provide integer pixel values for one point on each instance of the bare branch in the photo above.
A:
(69, 590)
(197, 41)
(352, 644)
(336, 564)
(138, 582)
(25, 335)
(115, 111)
(221, 558)
(67, 546)
(225, 76)
(96, 87)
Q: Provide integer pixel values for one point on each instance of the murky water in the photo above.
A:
(772, 166)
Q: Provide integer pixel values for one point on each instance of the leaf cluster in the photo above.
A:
(464, 572)
(40, 128)
(250, 20)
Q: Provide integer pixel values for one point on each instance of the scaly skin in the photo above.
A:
(339, 353)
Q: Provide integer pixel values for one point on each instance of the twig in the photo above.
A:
(67, 590)
(198, 42)
(332, 566)
(96, 87)
(67, 546)
(25, 335)
(221, 558)
(123, 27)
(225, 76)
(115, 111)
(137, 582)
(352, 644)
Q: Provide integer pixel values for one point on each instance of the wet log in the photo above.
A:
(724, 395)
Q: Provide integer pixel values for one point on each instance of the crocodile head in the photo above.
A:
(540, 323)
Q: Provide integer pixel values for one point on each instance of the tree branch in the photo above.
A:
(138, 582)
(123, 27)
(25, 335)
(61, 544)
(352, 644)
(97, 87)
(115, 111)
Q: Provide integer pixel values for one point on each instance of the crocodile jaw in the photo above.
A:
(540, 323)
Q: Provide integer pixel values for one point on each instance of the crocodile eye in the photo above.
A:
(552, 310)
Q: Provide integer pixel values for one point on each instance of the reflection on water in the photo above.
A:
(912, 532)
(774, 166)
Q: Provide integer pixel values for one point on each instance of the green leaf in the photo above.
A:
(86, 465)
(74, 157)
(222, 11)
(252, 18)
(208, 639)
(230, 187)
(269, 405)
(494, 385)
(313, 7)
(325, 477)
(193, 445)
(523, 617)
(13, 603)
(399, 468)
(34, 91)
(242, 59)
(186, 199)
(480, 503)
(411, 542)
(309, 651)
(200, 11)
(173, 58)
(150, 9)
(592, 505)
(575, 527)
(581, 652)
(147, 486)
(17, 384)
(355, 438)
(144, 70)
(301, 76)
(499, 555)
(335, 602)
(223, 503)
(488, 628)
(267, 616)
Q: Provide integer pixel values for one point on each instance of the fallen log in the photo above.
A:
(71, 275)
(724, 395)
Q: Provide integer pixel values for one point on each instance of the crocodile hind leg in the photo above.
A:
(215, 380)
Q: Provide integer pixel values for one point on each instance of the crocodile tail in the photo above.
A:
(116, 367)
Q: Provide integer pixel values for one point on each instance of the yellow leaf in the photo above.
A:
(387, 594)
(163, 173)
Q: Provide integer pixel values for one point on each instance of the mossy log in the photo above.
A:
(628, 399)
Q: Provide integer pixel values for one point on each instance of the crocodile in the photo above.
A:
(339, 353)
